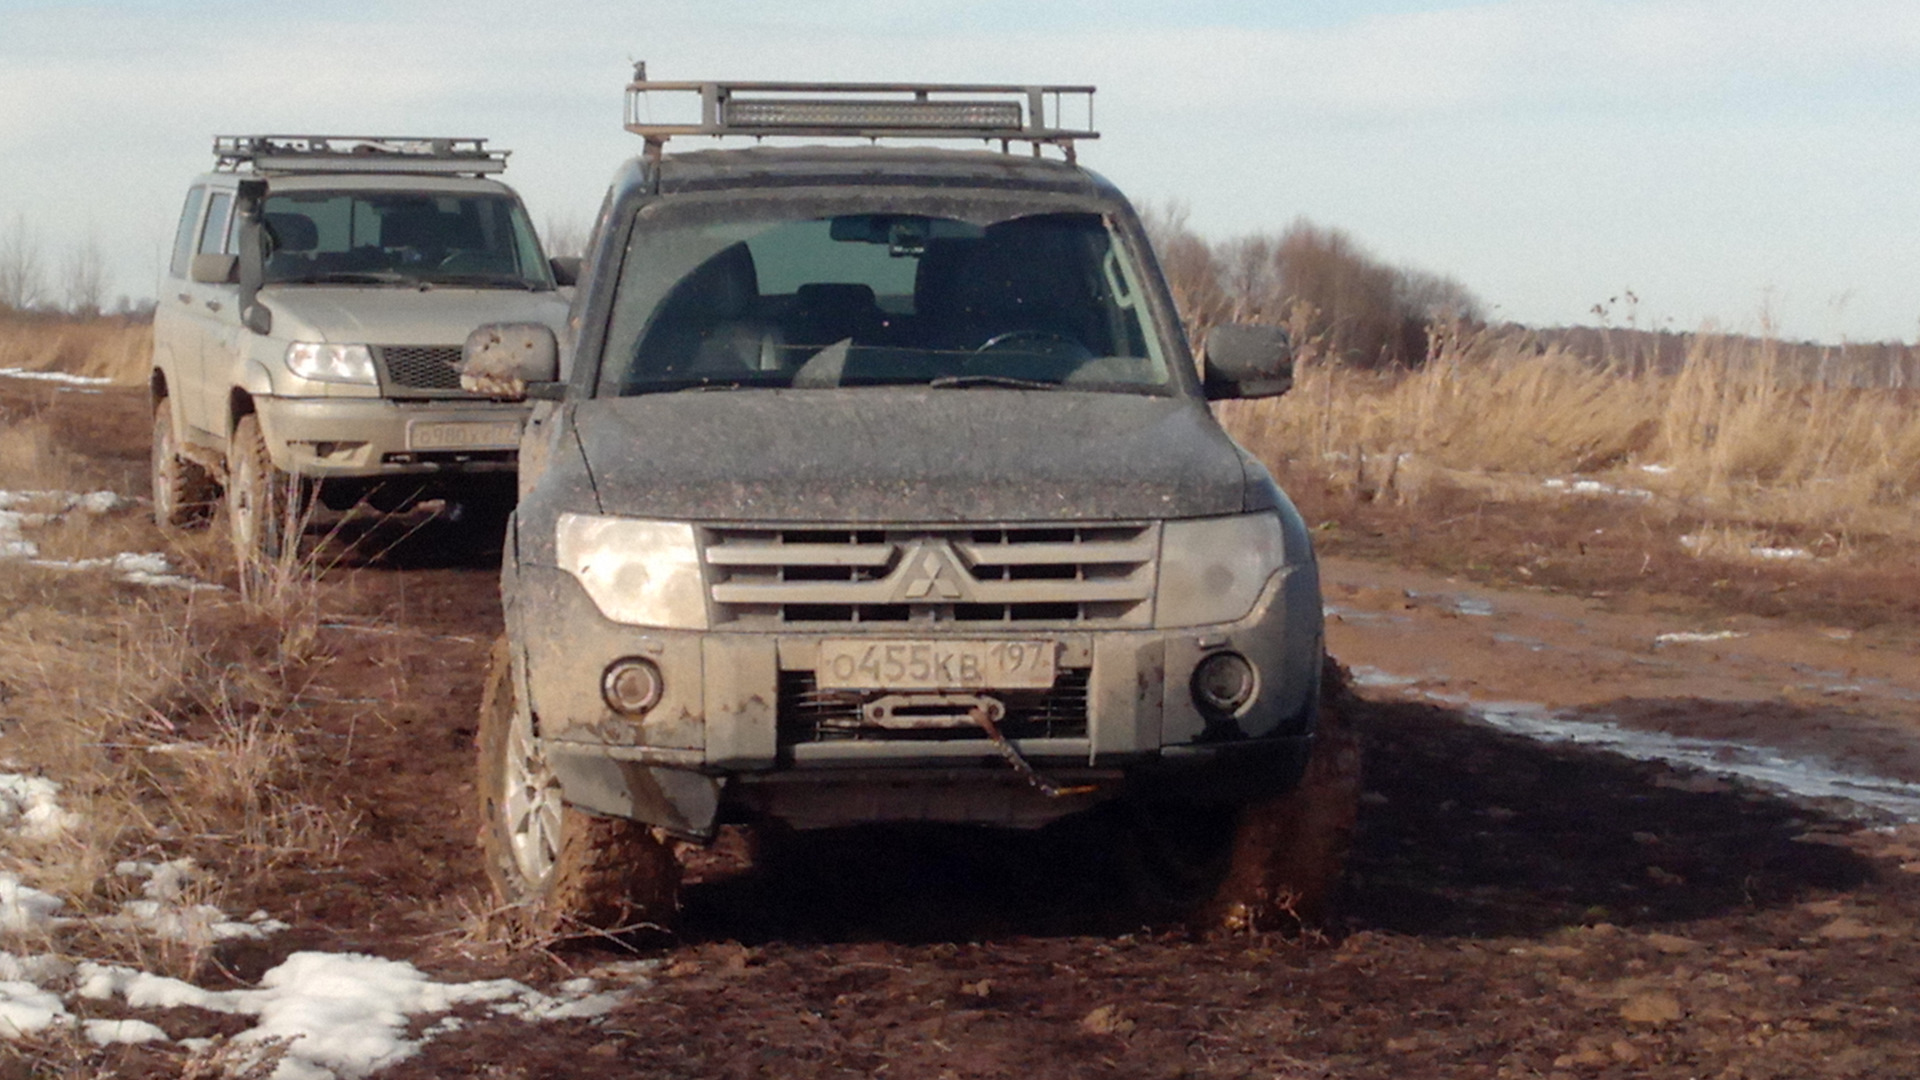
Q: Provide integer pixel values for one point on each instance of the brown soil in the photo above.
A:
(1513, 908)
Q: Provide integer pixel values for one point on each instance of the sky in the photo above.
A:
(1745, 164)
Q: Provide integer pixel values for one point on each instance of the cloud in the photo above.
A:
(1450, 134)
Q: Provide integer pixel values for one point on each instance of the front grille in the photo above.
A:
(422, 367)
(808, 714)
(996, 576)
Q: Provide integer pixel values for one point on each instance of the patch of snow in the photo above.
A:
(166, 914)
(136, 568)
(1762, 766)
(1656, 469)
(111, 1032)
(55, 376)
(1594, 487)
(345, 1015)
(1698, 544)
(1696, 637)
(1765, 767)
(26, 1009)
(24, 908)
(39, 970)
(30, 805)
(1363, 675)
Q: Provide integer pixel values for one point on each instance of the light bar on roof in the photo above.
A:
(358, 154)
(1033, 114)
(984, 116)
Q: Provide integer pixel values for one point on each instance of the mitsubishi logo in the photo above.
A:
(931, 576)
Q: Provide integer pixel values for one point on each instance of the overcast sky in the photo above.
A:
(1732, 161)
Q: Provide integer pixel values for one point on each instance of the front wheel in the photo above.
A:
(1270, 864)
(562, 871)
(182, 491)
(263, 504)
(1289, 851)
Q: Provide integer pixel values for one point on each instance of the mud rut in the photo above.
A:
(1513, 910)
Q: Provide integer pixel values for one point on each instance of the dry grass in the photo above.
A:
(170, 718)
(1729, 436)
(101, 348)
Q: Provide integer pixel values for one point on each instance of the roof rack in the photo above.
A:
(1003, 113)
(357, 154)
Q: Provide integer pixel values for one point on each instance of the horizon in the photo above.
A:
(1734, 165)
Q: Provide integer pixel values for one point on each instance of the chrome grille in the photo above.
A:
(808, 714)
(422, 367)
(999, 576)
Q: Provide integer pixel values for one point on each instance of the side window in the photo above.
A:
(213, 235)
(183, 238)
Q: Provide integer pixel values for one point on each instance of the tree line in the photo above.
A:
(76, 283)
(1335, 298)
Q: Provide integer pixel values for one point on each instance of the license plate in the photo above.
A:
(463, 435)
(869, 664)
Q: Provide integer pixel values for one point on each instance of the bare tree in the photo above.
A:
(83, 278)
(22, 275)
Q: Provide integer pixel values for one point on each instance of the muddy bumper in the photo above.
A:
(741, 725)
(325, 438)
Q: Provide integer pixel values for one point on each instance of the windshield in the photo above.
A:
(1038, 302)
(402, 238)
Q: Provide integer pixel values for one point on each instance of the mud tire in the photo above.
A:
(183, 492)
(1274, 864)
(1287, 853)
(562, 873)
(262, 503)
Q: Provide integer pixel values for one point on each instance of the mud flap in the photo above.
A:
(1224, 773)
(680, 801)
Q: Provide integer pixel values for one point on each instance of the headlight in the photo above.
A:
(1214, 569)
(331, 363)
(641, 573)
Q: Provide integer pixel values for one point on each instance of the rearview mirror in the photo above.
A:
(214, 269)
(1246, 361)
(566, 269)
(510, 360)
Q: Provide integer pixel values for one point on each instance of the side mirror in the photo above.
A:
(566, 269)
(510, 360)
(214, 269)
(1246, 361)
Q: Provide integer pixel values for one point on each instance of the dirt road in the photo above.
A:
(1517, 906)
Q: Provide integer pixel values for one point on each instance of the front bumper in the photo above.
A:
(735, 730)
(341, 438)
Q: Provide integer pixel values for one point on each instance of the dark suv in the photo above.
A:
(879, 484)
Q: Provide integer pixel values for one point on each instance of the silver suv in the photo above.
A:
(878, 484)
(310, 322)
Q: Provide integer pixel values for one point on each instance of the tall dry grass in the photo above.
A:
(171, 719)
(107, 348)
(1731, 434)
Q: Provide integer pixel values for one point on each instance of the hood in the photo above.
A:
(400, 315)
(908, 455)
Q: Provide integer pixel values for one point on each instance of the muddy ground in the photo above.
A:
(1514, 908)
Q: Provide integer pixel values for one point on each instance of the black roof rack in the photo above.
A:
(357, 154)
(1000, 113)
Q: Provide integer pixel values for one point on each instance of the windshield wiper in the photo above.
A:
(1004, 382)
(348, 277)
(484, 281)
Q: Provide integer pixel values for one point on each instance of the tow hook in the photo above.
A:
(1045, 786)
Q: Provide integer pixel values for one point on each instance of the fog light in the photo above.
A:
(1223, 683)
(631, 686)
